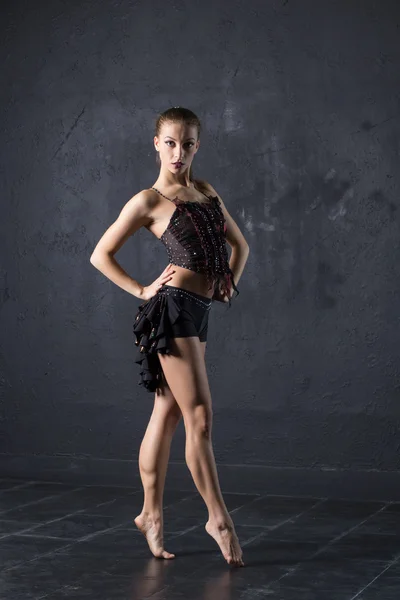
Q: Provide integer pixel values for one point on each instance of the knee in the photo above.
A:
(173, 417)
(199, 421)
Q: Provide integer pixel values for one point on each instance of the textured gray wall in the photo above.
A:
(300, 107)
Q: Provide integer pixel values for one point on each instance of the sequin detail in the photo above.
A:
(195, 239)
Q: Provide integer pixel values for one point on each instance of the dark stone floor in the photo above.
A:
(60, 541)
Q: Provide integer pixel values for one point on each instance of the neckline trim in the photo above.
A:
(209, 198)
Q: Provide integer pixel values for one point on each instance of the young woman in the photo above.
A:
(170, 327)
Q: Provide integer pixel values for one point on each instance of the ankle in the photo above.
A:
(220, 521)
(154, 515)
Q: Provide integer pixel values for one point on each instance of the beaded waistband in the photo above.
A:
(177, 291)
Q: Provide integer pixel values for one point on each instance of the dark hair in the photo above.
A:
(178, 114)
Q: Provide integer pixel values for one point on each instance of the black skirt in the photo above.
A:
(172, 312)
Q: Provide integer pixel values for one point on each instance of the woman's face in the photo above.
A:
(177, 143)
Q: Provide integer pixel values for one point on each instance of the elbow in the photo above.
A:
(96, 259)
(244, 247)
(93, 259)
(239, 245)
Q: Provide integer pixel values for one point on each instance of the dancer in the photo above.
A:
(170, 327)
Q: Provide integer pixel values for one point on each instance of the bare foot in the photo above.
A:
(152, 530)
(224, 534)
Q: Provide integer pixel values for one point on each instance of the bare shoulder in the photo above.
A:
(208, 189)
(141, 204)
(234, 236)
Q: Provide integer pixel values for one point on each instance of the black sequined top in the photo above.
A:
(195, 239)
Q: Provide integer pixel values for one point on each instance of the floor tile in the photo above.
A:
(268, 511)
(35, 492)
(7, 484)
(384, 587)
(363, 546)
(82, 543)
(17, 549)
(77, 526)
(9, 527)
(70, 501)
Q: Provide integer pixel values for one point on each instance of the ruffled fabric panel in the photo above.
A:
(152, 329)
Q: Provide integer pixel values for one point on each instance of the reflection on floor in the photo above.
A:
(60, 541)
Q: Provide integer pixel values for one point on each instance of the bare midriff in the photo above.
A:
(190, 281)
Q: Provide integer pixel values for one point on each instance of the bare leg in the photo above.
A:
(185, 372)
(153, 463)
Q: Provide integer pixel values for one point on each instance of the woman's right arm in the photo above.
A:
(134, 215)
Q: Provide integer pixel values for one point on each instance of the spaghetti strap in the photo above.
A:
(158, 191)
(176, 197)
